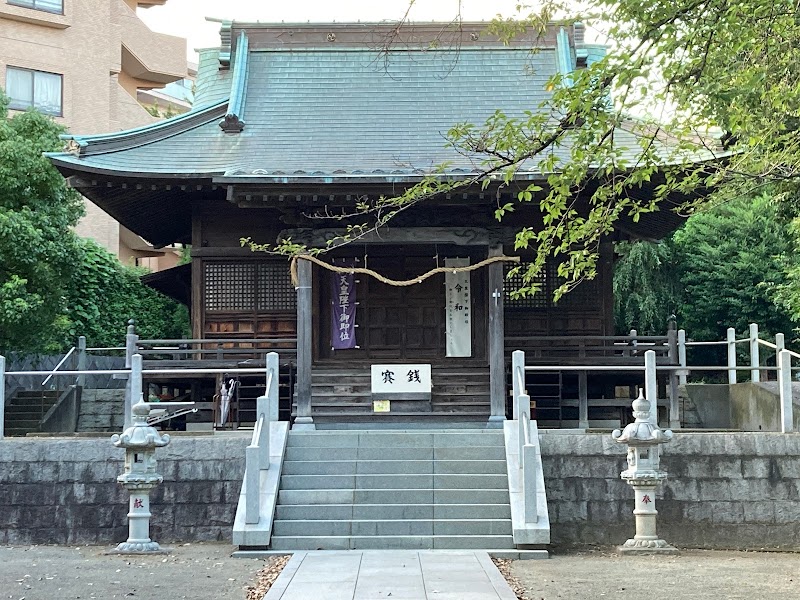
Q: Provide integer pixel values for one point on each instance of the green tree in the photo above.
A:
(37, 245)
(645, 287)
(104, 294)
(730, 260)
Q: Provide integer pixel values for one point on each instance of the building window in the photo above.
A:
(34, 89)
(53, 6)
(249, 287)
(584, 295)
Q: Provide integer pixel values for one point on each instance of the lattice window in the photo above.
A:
(584, 295)
(541, 299)
(248, 287)
(275, 289)
(230, 286)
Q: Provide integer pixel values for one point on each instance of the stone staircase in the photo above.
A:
(24, 411)
(344, 394)
(374, 489)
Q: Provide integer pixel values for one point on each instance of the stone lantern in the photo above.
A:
(140, 441)
(643, 474)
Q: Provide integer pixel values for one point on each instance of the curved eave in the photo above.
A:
(68, 164)
(88, 145)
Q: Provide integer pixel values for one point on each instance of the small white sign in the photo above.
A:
(457, 309)
(401, 379)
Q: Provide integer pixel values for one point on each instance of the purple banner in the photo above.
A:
(343, 315)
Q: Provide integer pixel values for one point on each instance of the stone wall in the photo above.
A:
(64, 490)
(725, 490)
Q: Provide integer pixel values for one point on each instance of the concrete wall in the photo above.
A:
(64, 491)
(724, 490)
(743, 406)
(712, 402)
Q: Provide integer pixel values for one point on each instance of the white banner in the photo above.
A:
(458, 310)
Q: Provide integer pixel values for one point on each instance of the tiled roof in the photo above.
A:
(343, 113)
(332, 113)
(211, 84)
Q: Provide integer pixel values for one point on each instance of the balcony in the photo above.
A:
(152, 58)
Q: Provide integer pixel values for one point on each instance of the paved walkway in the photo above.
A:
(394, 574)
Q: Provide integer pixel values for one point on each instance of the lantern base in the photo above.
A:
(645, 547)
(139, 548)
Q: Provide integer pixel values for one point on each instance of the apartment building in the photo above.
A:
(83, 62)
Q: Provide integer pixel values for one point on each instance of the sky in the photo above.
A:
(187, 18)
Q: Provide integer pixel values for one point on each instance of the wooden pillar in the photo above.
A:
(496, 337)
(304, 337)
(198, 283)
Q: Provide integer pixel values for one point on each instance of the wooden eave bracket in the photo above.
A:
(233, 122)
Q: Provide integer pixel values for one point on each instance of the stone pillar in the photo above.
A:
(731, 344)
(672, 376)
(785, 388)
(81, 379)
(683, 373)
(304, 340)
(517, 380)
(583, 401)
(651, 384)
(755, 374)
(496, 335)
(131, 340)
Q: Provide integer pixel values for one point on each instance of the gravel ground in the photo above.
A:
(196, 571)
(695, 574)
(206, 572)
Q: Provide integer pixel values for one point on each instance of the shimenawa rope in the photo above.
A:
(394, 282)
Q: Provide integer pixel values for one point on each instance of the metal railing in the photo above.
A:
(753, 342)
(783, 370)
(58, 366)
(592, 349)
(212, 348)
(134, 375)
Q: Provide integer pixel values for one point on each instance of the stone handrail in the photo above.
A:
(257, 454)
(527, 436)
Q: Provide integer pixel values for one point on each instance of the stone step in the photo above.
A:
(364, 415)
(17, 432)
(393, 496)
(391, 542)
(395, 481)
(22, 424)
(321, 453)
(18, 411)
(377, 467)
(36, 394)
(382, 527)
(392, 439)
(391, 511)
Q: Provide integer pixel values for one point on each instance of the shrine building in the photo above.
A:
(292, 122)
